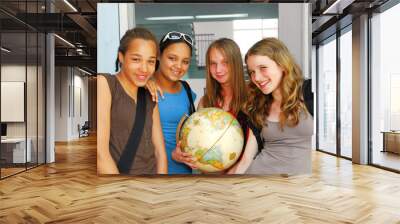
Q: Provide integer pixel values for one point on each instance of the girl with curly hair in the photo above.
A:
(275, 105)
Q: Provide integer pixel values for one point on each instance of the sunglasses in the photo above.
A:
(174, 35)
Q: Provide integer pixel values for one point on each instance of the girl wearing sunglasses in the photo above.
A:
(175, 57)
(119, 150)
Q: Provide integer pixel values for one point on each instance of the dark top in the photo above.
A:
(123, 111)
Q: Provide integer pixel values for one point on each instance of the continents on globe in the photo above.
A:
(214, 137)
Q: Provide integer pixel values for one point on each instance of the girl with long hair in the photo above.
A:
(276, 107)
(225, 84)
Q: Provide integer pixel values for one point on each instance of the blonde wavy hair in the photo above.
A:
(258, 104)
(232, 55)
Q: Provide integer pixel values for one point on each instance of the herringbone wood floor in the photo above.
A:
(69, 191)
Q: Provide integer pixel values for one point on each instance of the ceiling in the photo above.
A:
(79, 27)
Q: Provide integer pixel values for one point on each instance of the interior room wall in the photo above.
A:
(295, 31)
(70, 84)
(198, 86)
(16, 72)
(218, 28)
(61, 103)
(106, 43)
(80, 109)
(32, 127)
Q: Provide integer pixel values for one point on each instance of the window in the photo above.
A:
(385, 89)
(22, 65)
(247, 32)
(327, 96)
(346, 93)
(394, 101)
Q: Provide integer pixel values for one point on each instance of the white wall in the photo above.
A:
(71, 93)
(219, 28)
(198, 86)
(107, 44)
(33, 126)
(12, 73)
(12, 101)
(79, 117)
(61, 103)
(126, 17)
(120, 17)
(295, 32)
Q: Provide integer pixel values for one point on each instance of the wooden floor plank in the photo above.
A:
(69, 191)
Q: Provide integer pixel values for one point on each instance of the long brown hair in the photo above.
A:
(232, 55)
(259, 104)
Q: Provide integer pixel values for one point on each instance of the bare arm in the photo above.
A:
(248, 156)
(200, 105)
(158, 142)
(105, 163)
(153, 88)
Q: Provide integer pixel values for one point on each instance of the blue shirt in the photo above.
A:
(172, 108)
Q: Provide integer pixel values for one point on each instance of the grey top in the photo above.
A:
(287, 151)
(123, 112)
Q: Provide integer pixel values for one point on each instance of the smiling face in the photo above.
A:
(219, 67)
(264, 73)
(175, 61)
(139, 61)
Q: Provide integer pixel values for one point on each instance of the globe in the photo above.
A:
(212, 136)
